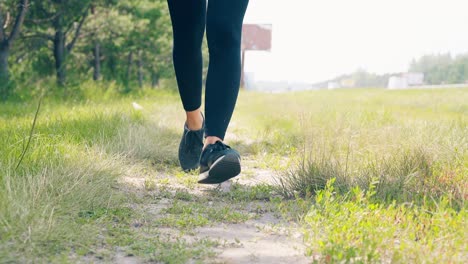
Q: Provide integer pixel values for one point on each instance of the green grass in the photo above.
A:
(412, 142)
(356, 228)
(398, 161)
(186, 216)
(405, 152)
(78, 152)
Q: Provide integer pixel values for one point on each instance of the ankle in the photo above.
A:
(194, 120)
(211, 140)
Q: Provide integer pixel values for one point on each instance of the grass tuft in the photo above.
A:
(408, 176)
(355, 228)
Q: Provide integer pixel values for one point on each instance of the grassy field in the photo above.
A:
(370, 176)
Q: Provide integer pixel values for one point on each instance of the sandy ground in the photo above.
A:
(254, 242)
(265, 239)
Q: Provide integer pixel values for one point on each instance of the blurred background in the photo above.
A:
(364, 43)
(304, 45)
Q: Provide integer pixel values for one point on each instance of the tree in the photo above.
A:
(442, 68)
(100, 27)
(127, 42)
(65, 18)
(7, 39)
(148, 40)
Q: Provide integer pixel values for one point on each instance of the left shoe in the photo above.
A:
(190, 147)
(219, 163)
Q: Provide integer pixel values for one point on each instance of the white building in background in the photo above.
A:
(276, 86)
(397, 82)
(414, 78)
(333, 85)
(406, 80)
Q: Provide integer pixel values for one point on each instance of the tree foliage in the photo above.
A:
(71, 41)
(437, 68)
(442, 68)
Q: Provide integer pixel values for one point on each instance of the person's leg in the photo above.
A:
(188, 23)
(224, 31)
(218, 162)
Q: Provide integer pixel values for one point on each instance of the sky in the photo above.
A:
(316, 40)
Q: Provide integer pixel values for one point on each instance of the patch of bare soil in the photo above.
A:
(265, 238)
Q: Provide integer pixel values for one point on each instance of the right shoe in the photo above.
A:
(219, 163)
(190, 147)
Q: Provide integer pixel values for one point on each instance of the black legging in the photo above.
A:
(223, 20)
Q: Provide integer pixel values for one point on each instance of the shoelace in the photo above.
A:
(219, 146)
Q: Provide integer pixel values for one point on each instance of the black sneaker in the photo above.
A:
(219, 163)
(190, 148)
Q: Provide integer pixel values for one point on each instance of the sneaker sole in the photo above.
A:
(223, 169)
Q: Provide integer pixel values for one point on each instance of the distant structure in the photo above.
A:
(406, 80)
(277, 86)
(333, 85)
(397, 82)
(255, 37)
(343, 83)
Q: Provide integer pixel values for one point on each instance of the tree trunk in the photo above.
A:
(140, 69)
(5, 44)
(4, 76)
(154, 79)
(97, 61)
(59, 55)
(129, 71)
(111, 65)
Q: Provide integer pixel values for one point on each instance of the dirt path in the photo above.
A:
(254, 242)
(242, 225)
